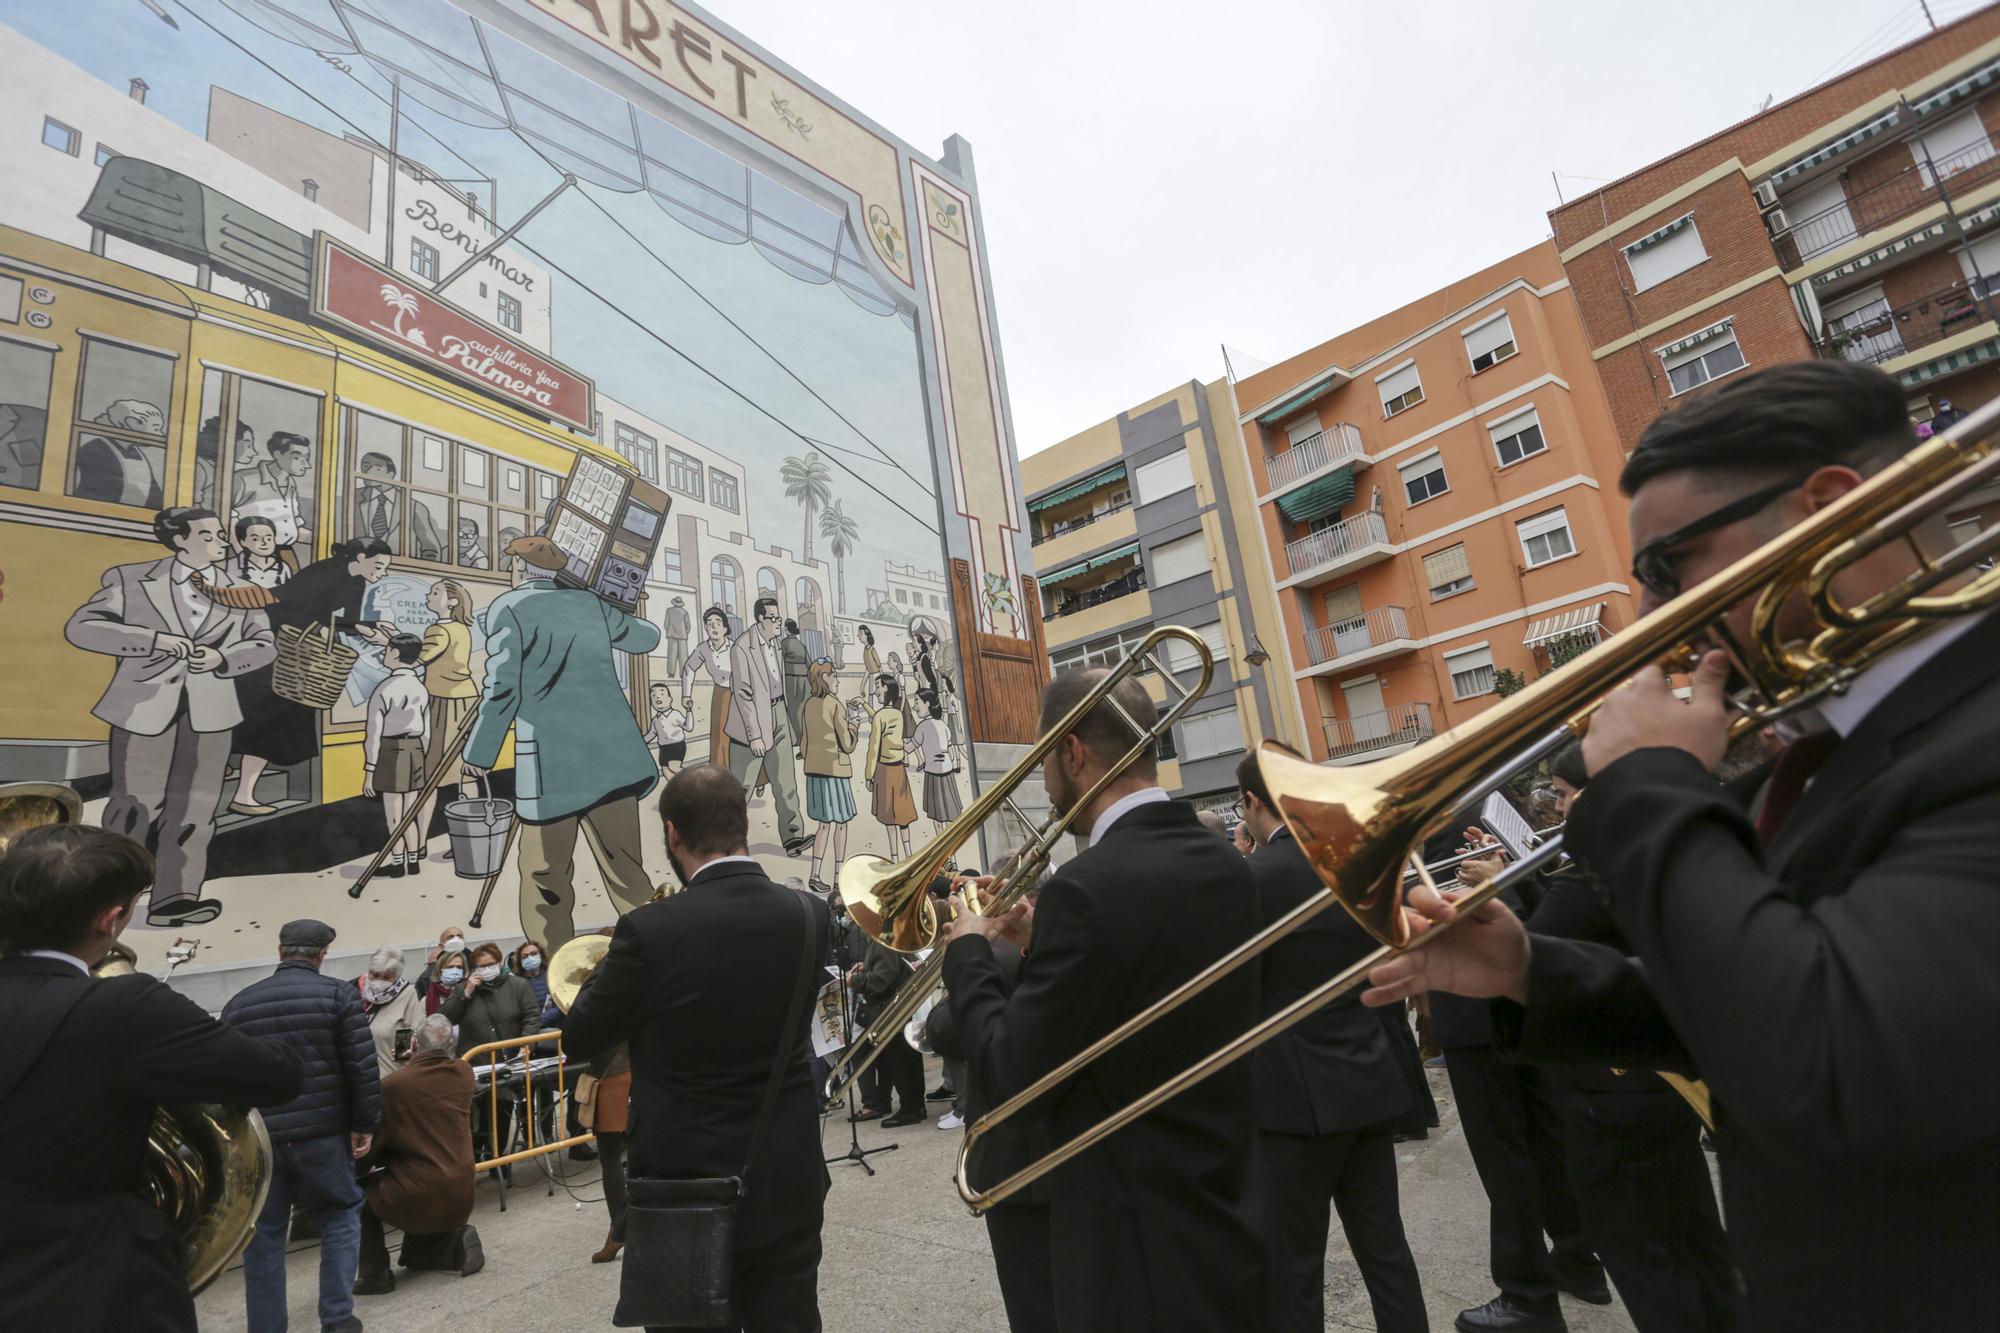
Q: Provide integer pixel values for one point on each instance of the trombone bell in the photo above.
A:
(892, 903)
(1353, 831)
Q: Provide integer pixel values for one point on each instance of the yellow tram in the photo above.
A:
(179, 390)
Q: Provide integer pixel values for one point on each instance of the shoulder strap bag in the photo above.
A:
(680, 1235)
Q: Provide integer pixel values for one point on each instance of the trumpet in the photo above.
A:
(891, 903)
(1358, 825)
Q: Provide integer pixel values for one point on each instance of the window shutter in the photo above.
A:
(1447, 566)
(1343, 604)
(1394, 386)
(1554, 520)
(1494, 333)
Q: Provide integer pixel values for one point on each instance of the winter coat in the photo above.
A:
(320, 1018)
(498, 1011)
(426, 1143)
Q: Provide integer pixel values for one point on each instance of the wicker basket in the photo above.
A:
(312, 665)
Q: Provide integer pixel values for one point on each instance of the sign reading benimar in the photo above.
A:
(386, 308)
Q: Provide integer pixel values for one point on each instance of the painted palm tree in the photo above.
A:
(809, 481)
(841, 533)
(399, 301)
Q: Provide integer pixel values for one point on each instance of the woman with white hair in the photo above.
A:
(394, 1008)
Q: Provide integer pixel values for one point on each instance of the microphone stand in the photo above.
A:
(855, 1152)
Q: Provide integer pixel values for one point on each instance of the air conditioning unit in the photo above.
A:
(1767, 196)
(1776, 221)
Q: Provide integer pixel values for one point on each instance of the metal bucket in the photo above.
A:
(478, 830)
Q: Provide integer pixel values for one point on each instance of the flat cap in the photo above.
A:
(538, 552)
(305, 934)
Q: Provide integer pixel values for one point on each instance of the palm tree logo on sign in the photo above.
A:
(405, 305)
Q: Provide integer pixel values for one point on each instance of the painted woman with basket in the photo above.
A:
(314, 603)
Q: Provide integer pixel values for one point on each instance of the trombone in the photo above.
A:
(891, 903)
(1358, 825)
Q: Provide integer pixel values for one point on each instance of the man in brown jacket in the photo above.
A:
(424, 1152)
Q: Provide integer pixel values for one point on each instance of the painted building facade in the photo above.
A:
(1437, 501)
(737, 278)
(1148, 519)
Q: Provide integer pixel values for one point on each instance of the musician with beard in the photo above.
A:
(1161, 1226)
(80, 1248)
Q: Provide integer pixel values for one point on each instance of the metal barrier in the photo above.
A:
(496, 1069)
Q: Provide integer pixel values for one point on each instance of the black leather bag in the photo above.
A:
(680, 1235)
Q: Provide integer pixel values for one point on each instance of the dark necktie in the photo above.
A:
(1797, 762)
(379, 522)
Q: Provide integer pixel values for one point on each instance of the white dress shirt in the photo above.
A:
(1843, 712)
(1123, 806)
(400, 706)
(58, 954)
(189, 604)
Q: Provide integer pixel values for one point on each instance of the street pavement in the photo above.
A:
(901, 1252)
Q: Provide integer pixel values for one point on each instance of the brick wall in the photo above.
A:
(1732, 232)
(1782, 125)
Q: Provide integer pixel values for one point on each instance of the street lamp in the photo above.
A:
(1256, 657)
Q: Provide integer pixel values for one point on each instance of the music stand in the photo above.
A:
(855, 1152)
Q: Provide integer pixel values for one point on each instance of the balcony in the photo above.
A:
(1396, 727)
(1348, 544)
(1068, 525)
(1877, 333)
(1381, 632)
(1337, 444)
(1908, 191)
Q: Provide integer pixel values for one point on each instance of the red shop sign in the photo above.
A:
(392, 311)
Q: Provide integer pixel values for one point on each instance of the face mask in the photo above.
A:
(532, 963)
(489, 972)
(379, 991)
(454, 944)
(451, 976)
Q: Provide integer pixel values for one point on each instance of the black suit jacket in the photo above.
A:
(1837, 991)
(1018, 1142)
(700, 984)
(1159, 1227)
(1335, 1070)
(79, 1248)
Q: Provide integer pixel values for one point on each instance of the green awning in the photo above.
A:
(1971, 85)
(1853, 139)
(1097, 561)
(1298, 402)
(1319, 497)
(1094, 482)
(163, 210)
(1945, 365)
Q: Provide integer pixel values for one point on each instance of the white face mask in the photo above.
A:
(451, 976)
(454, 944)
(487, 973)
(379, 990)
(532, 963)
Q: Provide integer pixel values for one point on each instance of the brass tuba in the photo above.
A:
(207, 1167)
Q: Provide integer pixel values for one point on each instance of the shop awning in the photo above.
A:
(1852, 139)
(1970, 86)
(1575, 619)
(1299, 402)
(1319, 497)
(162, 209)
(1945, 365)
(1096, 481)
(1097, 561)
(1699, 336)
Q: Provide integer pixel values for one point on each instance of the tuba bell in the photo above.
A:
(207, 1167)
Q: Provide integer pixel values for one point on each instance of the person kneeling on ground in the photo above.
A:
(424, 1150)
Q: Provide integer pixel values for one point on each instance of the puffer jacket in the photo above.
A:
(321, 1018)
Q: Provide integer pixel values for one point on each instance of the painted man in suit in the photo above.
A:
(580, 761)
(679, 624)
(171, 704)
(760, 728)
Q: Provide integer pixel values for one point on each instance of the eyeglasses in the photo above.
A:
(1653, 563)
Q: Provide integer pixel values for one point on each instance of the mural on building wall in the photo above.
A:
(322, 324)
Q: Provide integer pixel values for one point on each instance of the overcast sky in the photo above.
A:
(1161, 176)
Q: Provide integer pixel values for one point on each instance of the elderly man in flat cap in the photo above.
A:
(315, 1137)
(581, 763)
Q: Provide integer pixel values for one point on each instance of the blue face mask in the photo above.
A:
(532, 963)
(451, 976)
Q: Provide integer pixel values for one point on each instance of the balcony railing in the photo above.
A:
(1133, 580)
(1881, 204)
(1080, 521)
(1345, 638)
(1335, 444)
(1348, 537)
(1399, 724)
(1877, 333)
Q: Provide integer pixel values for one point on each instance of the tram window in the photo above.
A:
(432, 465)
(473, 473)
(380, 469)
(513, 525)
(120, 454)
(475, 527)
(513, 486)
(283, 459)
(25, 373)
(430, 520)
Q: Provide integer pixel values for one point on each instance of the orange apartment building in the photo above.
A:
(1437, 493)
(1860, 219)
